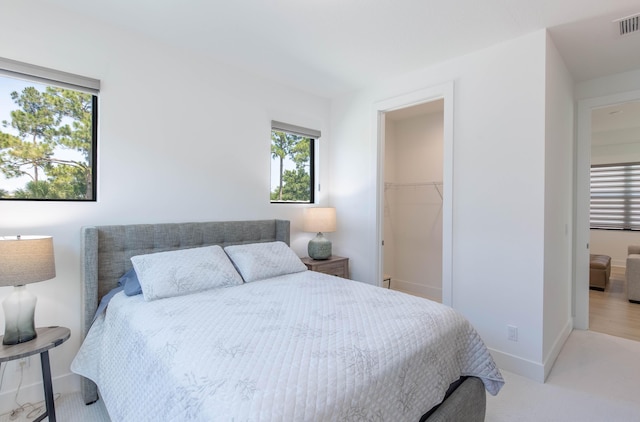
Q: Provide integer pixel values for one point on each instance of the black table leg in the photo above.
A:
(48, 389)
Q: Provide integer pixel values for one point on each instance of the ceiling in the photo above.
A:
(329, 47)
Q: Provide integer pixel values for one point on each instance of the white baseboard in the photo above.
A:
(34, 393)
(533, 370)
(518, 365)
(551, 357)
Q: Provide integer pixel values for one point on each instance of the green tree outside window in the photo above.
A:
(293, 184)
(47, 143)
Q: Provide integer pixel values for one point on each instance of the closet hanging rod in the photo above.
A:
(437, 185)
(411, 184)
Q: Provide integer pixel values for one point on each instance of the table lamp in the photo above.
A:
(319, 220)
(23, 260)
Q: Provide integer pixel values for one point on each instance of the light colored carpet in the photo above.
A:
(596, 378)
(69, 408)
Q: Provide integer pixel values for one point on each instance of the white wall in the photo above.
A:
(498, 189)
(608, 85)
(181, 138)
(389, 249)
(558, 242)
(413, 214)
(613, 243)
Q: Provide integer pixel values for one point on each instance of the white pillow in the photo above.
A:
(184, 271)
(257, 261)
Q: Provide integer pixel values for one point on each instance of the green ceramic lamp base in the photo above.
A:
(319, 247)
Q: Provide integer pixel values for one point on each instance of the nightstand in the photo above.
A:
(48, 338)
(335, 265)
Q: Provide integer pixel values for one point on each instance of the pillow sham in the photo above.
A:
(257, 261)
(184, 271)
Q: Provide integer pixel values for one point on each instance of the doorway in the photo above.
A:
(582, 226)
(615, 144)
(442, 96)
(413, 188)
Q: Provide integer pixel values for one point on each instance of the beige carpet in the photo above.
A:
(595, 379)
(69, 408)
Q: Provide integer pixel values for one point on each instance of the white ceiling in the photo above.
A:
(329, 47)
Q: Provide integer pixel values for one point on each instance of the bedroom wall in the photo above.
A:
(608, 85)
(498, 189)
(181, 138)
(558, 250)
(390, 170)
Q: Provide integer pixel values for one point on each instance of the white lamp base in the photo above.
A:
(319, 247)
(19, 309)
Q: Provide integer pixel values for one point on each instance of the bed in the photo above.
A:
(280, 343)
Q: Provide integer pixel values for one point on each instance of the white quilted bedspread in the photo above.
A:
(299, 347)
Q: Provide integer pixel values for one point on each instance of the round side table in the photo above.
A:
(47, 338)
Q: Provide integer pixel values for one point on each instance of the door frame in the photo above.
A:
(443, 91)
(581, 229)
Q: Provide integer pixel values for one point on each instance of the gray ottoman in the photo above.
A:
(599, 271)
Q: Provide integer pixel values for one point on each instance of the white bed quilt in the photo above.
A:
(299, 347)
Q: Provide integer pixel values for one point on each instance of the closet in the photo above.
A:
(413, 193)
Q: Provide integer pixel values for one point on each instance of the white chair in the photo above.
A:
(632, 273)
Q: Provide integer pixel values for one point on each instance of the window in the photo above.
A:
(292, 163)
(48, 134)
(615, 196)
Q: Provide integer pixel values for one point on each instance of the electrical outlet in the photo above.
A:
(22, 364)
(512, 333)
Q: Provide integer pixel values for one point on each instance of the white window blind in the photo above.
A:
(47, 76)
(296, 130)
(615, 196)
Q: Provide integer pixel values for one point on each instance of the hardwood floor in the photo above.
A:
(611, 313)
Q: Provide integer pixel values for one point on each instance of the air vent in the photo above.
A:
(628, 25)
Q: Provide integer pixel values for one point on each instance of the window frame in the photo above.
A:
(615, 197)
(53, 78)
(313, 136)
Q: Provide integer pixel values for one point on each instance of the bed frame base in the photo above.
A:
(467, 403)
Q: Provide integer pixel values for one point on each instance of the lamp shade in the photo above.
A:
(319, 220)
(26, 259)
(23, 260)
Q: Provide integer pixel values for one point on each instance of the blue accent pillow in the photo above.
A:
(130, 283)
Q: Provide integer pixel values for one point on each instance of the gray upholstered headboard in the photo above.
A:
(107, 252)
